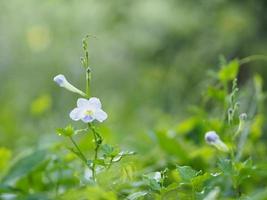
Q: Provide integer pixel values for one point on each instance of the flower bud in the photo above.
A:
(243, 117)
(213, 139)
(62, 82)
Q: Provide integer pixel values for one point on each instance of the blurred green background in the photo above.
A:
(149, 58)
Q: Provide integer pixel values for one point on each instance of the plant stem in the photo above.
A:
(252, 58)
(82, 156)
(98, 141)
(244, 134)
(88, 80)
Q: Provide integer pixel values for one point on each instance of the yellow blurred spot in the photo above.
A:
(41, 104)
(38, 38)
(5, 156)
(256, 127)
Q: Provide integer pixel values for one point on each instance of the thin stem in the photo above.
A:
(88, 80)
(110, 162)
(82, 156)
(252, 58)
(98, 141)
(244, 133)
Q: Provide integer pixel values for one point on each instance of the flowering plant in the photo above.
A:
(89, 110)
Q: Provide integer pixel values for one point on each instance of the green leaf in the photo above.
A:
(137, 195)
(25, 165)
(88, 193)
(198, 181)
(109, 151)
(171, 145)
(67, 131)
(7, 189)
(100, 162)
(229, 71)
(187, 173)
(225, 165)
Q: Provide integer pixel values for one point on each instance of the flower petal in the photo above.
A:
(88, 118)
(100, 115)
(95, 102)
(76, 114)
(81, 102)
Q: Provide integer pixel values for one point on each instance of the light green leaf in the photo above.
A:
(229, 71)
(137, 195)
(187, 173)
(67, 131)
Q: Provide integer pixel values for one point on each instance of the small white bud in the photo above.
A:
(243, 117)
(62, 82)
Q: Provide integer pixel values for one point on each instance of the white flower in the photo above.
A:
(213, 139)
(62, 82)
(88, 110)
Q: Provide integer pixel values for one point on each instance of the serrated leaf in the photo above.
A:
(109, 151)
(225, 165)
(187, 173)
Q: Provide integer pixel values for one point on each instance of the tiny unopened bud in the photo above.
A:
(211, 136)
(243, 117)
(213, 139)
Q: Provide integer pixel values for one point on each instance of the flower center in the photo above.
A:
(89, 112)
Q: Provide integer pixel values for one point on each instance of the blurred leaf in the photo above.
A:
(109, 151)
(7, 189)
(229, 71)
(88, 193)
(5, 155)
(67, 131)
(171, 145)
(198, 181)
(216, 93)
(225, 165)
(100, 162)
(256, 127)
(25, 165)
(187, 125)
(260, 194)
(137, 195)
(187, 173)
(123, 154)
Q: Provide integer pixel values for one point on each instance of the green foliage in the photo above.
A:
(25, 165)
(157, 74)
(187, 173)
(67, 131)
(229, 71)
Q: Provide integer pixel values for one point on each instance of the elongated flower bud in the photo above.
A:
(62, 82)
(242, 121)
(213, 139)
